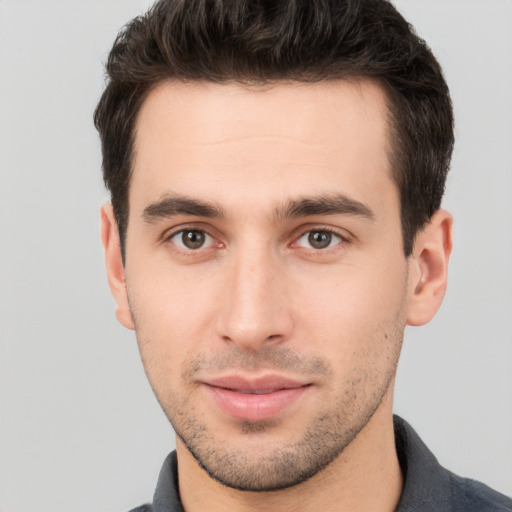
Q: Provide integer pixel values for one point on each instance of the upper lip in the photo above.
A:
(265, 383)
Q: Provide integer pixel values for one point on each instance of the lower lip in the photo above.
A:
(250, 407)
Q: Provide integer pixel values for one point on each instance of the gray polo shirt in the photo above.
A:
(428, 487)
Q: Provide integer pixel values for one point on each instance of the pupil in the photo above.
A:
(193, 239)
(320, 239)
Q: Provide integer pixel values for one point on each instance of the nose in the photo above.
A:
(255, 310)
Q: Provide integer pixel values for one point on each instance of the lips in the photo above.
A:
(257, 399)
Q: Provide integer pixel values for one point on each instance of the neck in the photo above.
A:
(366, 476)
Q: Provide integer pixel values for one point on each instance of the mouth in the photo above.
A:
(258, 399)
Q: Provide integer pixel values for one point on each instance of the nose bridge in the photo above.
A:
(254, 309)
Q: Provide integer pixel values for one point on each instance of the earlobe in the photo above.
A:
(114, 265)
(428, 271)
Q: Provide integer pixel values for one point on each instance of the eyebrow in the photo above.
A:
(330, 204)
(170, 206)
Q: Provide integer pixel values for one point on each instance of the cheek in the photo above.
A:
(357, 294)
(354, 317)
(172, 315)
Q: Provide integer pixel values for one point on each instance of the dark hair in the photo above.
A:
(262, 41)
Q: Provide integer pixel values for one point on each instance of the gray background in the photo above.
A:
(79, 427)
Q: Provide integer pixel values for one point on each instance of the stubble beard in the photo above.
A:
(289, 463)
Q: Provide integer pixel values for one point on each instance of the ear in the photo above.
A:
(428, 271)
(114, 265)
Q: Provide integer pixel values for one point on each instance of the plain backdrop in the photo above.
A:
(80, 430)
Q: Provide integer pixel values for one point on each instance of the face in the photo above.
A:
(265, 271)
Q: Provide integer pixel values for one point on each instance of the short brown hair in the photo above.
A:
(264, 41)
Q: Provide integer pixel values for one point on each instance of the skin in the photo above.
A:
(258, 297)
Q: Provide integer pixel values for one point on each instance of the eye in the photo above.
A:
(191, 239)
(319, 239)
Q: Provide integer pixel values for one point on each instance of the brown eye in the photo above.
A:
(319, 239)
(191, 239)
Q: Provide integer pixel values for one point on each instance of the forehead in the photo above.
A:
(261, 140)
(207, 110)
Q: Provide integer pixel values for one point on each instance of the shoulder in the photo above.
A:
(472, 496)
(429, 487)
(166, 497)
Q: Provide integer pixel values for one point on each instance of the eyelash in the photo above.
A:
(190, 229)
(343, 239)
(332, 232)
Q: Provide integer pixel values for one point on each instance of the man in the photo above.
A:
(276, 172)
